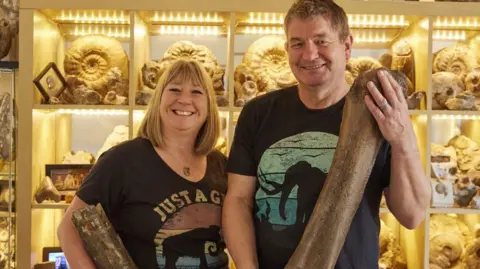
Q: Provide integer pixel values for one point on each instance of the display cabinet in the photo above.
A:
(69, 115)
(8, 168)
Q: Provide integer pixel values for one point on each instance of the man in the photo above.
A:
(284, 145)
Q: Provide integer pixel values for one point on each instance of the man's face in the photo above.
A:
(316, 55)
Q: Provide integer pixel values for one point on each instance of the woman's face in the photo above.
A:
(184, 107)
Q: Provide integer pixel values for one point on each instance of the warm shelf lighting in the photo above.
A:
(116, 32)
(456, 117)
(264, 18)
(449, 35)
(189, 30)
(370, 37)
(115, 17)
(138, 115)
(186, 17)
(92, 111)
(465, 22)
(361, 20)
(260, 30)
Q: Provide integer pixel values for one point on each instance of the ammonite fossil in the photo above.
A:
(441, 224)
(457, 59)
(403, 60)
(446, 85)
(150, 74)
(472, 82)
(360, 65)
(90, 58)
(269, 60)
(245, 84)
(445, 250)
(201, 54)
(472, 255)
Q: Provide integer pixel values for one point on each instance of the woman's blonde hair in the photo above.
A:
(189, 71)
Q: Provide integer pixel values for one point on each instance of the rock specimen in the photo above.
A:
(9, 25)
(47, 191)
(119, 134)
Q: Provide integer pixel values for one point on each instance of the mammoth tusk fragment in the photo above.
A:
(355, 155)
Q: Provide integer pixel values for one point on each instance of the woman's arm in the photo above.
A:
(70, 240)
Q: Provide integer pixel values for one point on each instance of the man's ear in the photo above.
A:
(348, 46)
(285, 45)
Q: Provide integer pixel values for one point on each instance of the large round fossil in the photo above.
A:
(269, 60)
(201, 54)
(90, 58)
(457, 59)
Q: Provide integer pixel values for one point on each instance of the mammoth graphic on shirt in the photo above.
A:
(191, 237)
(291, 174)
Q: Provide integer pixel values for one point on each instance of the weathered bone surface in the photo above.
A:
(357, 148)
(101, 241)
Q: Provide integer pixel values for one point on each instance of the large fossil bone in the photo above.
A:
(357, 148)
(100, 239)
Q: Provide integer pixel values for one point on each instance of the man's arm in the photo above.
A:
(237, 221)
(408, 195)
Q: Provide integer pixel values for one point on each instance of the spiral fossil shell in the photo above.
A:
(472, 82)
(446, 85)
(472, 255)
(201, 54)
(91, 57)
(269, 60)
(457, 59)
(360, 65)
(445, 249)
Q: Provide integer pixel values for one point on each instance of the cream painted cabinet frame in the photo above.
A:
(145, 29)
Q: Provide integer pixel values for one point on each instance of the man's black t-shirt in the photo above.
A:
(289, 149)
(164, 220)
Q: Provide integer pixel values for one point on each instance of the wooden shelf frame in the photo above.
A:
(27, 100)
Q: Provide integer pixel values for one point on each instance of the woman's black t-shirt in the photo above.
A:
(164, 220)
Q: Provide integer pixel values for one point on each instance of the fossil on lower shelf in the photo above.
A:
(456, 173)
(452, 243)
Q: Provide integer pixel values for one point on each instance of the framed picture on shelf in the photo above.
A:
(50, 82)
(67, 178)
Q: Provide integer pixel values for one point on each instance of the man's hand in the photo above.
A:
(391, 113)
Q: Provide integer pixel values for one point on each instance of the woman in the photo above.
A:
(162, 191)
